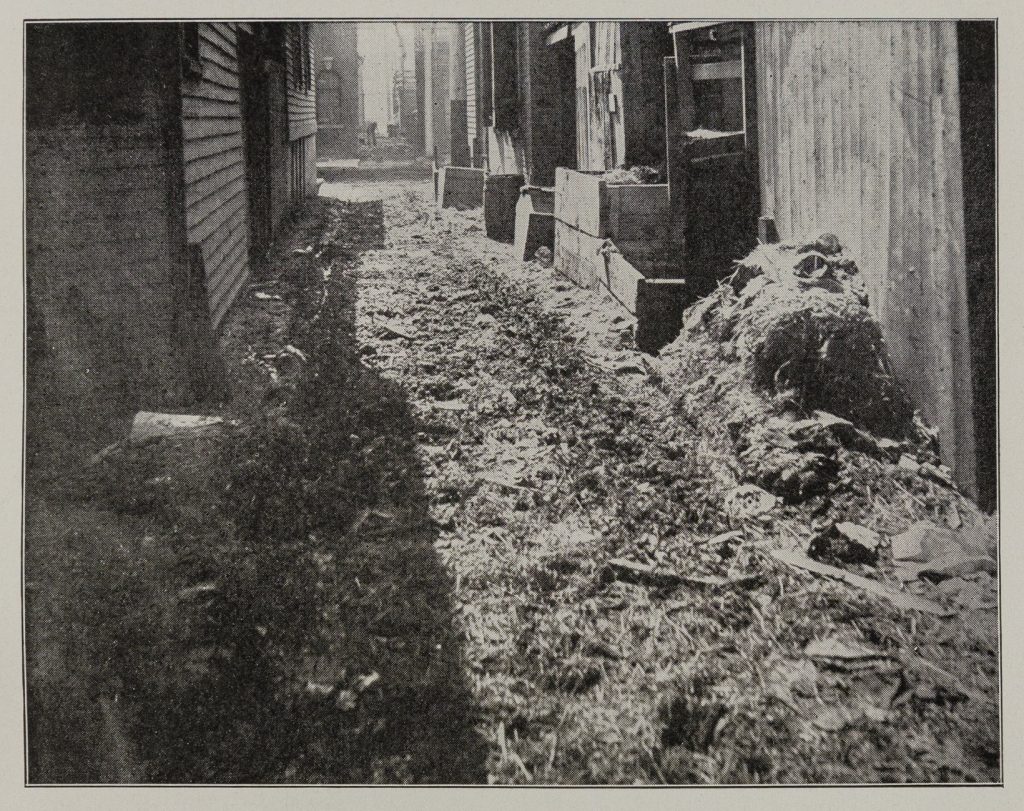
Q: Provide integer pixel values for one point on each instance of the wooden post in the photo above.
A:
(766, 230)
(675, 165)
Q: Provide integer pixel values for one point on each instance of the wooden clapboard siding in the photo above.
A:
(301, 98)
(859, 135)
(470, 33)
(215, 193)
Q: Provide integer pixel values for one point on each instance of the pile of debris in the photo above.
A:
(633, 176)
(787, 357)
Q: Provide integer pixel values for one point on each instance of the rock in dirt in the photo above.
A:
(867, 538)
(845, 543)
(749, 501)
(925, 542)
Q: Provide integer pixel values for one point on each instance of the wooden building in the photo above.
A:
(519, 99)
(619, 88)
(337, 89)
(860, 129)
(159, 160)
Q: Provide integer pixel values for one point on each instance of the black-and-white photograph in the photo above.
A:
(562, 402)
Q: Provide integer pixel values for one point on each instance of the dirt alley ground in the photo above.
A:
(549, 445)
(434, 490)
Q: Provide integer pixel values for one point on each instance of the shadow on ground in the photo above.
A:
(289, 619)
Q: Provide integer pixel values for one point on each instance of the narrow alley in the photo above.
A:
(439, 449)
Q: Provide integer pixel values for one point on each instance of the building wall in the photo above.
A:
(216, 196)
(644, 47)
(470, 35)
(533, 130)
(337, 90)
(548, 93)
(105, 269)
(620, 93)
(859, 135)
(439, 37)
(301, 82)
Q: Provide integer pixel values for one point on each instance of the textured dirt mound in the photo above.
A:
(798, 322)
(827, 351)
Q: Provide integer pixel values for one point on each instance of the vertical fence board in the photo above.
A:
(859, 135)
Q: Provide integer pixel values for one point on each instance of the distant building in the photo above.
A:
(337, 87)
(159, 160)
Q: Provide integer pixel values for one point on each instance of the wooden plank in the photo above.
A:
(718, 70)
(637, 212)
(900, 599)
(196, 128)
(621, 279)
(533, 228)
(198, 107)
(219, 202)
(859, 136)
(581, 200)
(199, 148)
(578, 256)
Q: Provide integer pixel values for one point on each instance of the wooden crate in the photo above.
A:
(459, 187)
(623, 213)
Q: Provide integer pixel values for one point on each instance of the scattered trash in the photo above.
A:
(318, 690)
(634, 175)
(449, 405)
(632, 572)
(396, 330)
(939, 473)
(898, 598)
(835, 648)
(364, 683)
(196, 591)
(100, 455)
(925, 541)
(298, 353)
(148, 425)
(908, 462)
(957, 564)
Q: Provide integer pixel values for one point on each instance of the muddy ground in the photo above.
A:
(392, 564)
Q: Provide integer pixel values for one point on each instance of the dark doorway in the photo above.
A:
(712, 117)
(976, 44)
(563, 85)
(257, 146)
